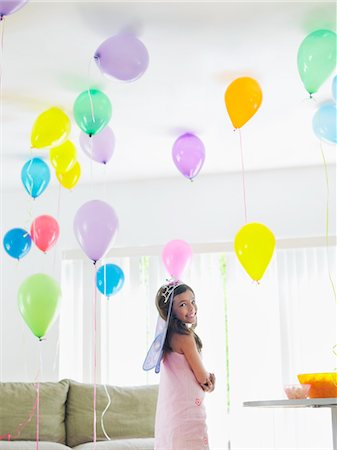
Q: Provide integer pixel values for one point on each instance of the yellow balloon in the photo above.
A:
(63, 157)
(69, 179)
(254, 246)
(51, 128)
(243, 98)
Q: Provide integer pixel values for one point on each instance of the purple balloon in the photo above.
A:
(95, 225)
(188, 154)
(123, 57)
(10, 6)
(100, 146)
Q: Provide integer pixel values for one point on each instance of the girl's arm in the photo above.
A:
(186, 344)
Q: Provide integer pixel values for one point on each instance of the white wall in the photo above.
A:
(291, 202)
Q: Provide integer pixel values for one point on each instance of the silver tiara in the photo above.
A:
(167, 289)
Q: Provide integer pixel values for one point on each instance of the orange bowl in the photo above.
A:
(323, 385)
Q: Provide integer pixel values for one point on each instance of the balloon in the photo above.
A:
(10, 6)
(243, 98)
(176, 255)
(188, 155)
(109, 279)
(50, 129)
(324, 123)
(69, 179)
(254, 246)
(99, 147)
(95, 225)
(63, 157)
(123, 57)
(35, 176)
(38, 299)
(92, 111)
(334, 88)
(316, 58)
(44, 232)
(17, 242)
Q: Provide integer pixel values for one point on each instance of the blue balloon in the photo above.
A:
(35, 176)
(334, 88)
(324, 123)
(17, 242)
(109, 279)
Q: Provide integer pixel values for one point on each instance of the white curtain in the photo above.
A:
(256, 338)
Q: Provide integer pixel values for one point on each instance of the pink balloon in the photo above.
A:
(176, 255)
(123, 57)
(10, 6)
(100, 146)
(45, 231)
(188, 154)
(95, 225)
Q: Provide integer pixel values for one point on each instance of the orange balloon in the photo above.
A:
(243, 98)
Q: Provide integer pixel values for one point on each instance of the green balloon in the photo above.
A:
(38, 299)
(92, 111)
(316, 58)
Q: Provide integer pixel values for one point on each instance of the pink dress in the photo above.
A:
(180, 415)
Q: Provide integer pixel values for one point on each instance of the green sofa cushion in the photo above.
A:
(130, 415)
(120, 444)
(16, 405)
(31, 445)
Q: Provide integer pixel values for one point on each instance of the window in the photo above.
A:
(256, 337)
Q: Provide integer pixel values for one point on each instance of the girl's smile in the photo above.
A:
(185, 308)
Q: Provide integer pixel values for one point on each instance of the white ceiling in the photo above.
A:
(196, 50)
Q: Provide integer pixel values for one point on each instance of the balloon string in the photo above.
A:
(327, 229)
(105, 286)
(37, 415)
(34, 230)
(29, 213)
(57, 352)
(243, 177)
(2, 25)
(224, 282)
(145, 283)
(91, 178)
(89, 94)
(95, 356)
(57, 218)
(31, 198)
(22, 425)
(106, 181)
(223, 270)
(327, 219)
(334, 351)
(310, 99)
(58, 203)
(38, 396)
(2, 31)
(105, 410)
(31, 180)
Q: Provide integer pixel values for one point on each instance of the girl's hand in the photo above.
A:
(207, 387)
(212, 379)
(210, 383)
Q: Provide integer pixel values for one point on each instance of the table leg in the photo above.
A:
(334, 426)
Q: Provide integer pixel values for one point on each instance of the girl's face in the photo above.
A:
(185, 308)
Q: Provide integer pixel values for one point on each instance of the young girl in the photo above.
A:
(180, 415)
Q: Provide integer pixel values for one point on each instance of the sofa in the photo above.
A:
(66, 418)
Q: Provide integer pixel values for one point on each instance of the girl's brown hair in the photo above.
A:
(175, 325)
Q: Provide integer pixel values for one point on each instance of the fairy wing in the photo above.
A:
(155, 352)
